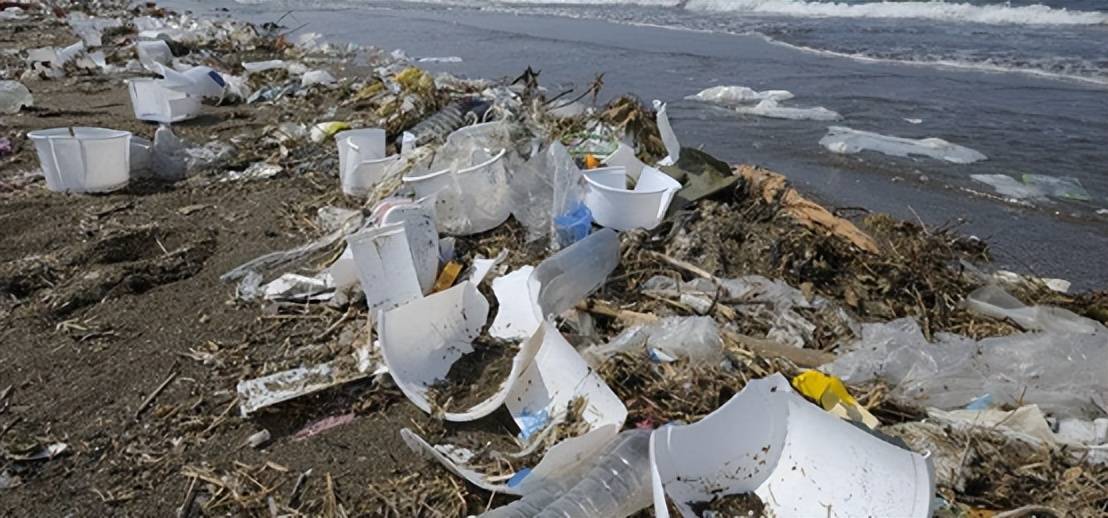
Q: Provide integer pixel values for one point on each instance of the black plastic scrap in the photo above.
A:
(702, 176)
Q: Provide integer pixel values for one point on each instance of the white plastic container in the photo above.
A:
(385, 266)
(798, 459)
(362, 160)
(472, 200)
(615, 206)
(83, 159)
(152, 101)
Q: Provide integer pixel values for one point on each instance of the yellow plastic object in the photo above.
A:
(326, 130)
(447, 277)
(832, 395)
(591, 162)
(415, 80)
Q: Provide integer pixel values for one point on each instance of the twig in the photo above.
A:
(190, 496)
(689, 267)
(331, 329)
(150, 399)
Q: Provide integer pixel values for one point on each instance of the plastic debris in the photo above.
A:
(90, 29)
(517, 295)
(172, 159)
(797, 459)
(471, 194)
(695, 338)
(832, 395)
(613, 205)
(1063, 373)
(576, 271)
(418, 218)
(616, 485)
(421, 341)
(362, 160)
(14, 97)
(735, 95)
(1035, 186)
(258, 439)
(386, 266)
(325, 130)
(994, 302)
(200, 81)
(83, 159)
(153, 54)
(317, 427)
(669, 139)
(847, 141)
(771, 108)
(256, 394)
(317, 77)
(153, 101)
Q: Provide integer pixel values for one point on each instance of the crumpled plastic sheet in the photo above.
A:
(772, 301)
(252, 274)
(1064, 373)
(695, 338)
(994, 302)
(173, 159)
(547, 185)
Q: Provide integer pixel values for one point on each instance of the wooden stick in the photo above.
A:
(150, 399)
(684, 265)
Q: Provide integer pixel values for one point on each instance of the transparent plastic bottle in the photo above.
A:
(617, 485)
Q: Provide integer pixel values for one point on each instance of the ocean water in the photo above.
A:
(1023, 83)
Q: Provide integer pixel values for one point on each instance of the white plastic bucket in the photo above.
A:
(83, 159)
(152, 101)
(362, 160)
(472, 200)
(614, 206)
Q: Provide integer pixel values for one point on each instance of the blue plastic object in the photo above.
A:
(573, 226)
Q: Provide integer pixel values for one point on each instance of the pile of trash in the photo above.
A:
(625, 324)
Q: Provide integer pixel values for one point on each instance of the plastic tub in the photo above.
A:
(83, 159)
(362, 159)
(614, 206)
(152, 101)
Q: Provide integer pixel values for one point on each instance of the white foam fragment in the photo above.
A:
(772, 109)
(733, 95)
(847, 141)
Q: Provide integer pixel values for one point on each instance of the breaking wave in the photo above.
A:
(999, 14)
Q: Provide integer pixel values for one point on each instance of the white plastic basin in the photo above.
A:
(469, 201)
(615, 206)
(83, 159)
(152, 101)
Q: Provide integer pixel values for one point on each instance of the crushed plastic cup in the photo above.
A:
(798, 459)
(573, 226)
(362, 160)
(385, 266)
(152, 101)
(615, 206)
(83, 159)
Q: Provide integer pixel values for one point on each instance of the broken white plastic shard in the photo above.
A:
(385, 266)
(770, 108)
(557, 376)
(317, 77)
(625, 157)
(301, 288)
(734, 95)
(570, 275)
(258, 393)
(421, 340)
(800, 460)
(517, 295)
(418, 219)
(481, 267)
(669, 138)
(153, 53)
(152, 101)
(843, 140)
(615, 206)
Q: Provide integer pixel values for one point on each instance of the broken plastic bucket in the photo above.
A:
(615, 206)
(798, 459)
(152, 101)
(362, 160)
(385, 267)
(422, 340)
(83, 159)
